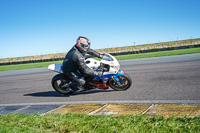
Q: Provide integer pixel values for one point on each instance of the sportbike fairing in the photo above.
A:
(114, 67)
(112, 76)
(109, 60)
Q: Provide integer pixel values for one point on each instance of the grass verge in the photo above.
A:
(99, 124)
(119, 57)
(27, 66)
(158, 54)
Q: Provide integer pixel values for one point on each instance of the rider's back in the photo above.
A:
(70, 62)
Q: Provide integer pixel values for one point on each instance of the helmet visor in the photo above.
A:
(85, 46)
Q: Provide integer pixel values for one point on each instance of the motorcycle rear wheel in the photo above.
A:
(124, 83)
(57, 81)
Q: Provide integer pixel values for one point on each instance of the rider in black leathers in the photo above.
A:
(74, 63)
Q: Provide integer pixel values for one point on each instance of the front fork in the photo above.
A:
(115, 77)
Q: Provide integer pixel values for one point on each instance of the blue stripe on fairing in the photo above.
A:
(108, 76)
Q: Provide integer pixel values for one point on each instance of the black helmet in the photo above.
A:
(83, 43)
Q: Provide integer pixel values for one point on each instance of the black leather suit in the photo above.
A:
(74, 65)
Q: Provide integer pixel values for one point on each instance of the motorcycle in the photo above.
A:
(111, 76)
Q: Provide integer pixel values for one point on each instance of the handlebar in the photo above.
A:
(104, 67)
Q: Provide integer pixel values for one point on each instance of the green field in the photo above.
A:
(120, 57)
(27, 66)
(158, 54)
(80, 123)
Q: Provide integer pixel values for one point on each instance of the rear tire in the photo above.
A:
(57, 81)
(125, 82)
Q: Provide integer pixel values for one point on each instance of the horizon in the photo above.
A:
(30, 28)
(106, 48)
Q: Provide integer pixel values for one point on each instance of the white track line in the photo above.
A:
(106, 102)
(150, 107)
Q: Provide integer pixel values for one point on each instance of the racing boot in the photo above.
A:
(70, 84)
(79, 89)
(73, 85)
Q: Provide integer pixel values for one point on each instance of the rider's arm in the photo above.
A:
(80, 61)
(94, 53)
(86, 70)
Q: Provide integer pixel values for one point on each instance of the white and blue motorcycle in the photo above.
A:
(112, 76)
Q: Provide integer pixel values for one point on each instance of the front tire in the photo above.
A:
(124, 83)
(57, 81)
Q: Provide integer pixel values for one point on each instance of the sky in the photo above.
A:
(37, 27)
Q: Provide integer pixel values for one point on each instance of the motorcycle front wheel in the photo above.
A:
(124, 83)
(57, 81)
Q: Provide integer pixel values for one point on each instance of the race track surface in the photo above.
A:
(171, 79)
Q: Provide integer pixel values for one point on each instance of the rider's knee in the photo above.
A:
(81, 81)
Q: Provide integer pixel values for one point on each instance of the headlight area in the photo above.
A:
(116, 67)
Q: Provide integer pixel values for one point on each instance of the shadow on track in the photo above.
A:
(45, 94)
(56, 94)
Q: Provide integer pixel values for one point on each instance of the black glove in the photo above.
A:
(98, 73)
(101, 55)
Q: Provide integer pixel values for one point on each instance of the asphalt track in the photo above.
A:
(169, 79)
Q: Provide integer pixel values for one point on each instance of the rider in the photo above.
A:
(74, 63)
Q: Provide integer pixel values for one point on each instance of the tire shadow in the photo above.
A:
(56, 94)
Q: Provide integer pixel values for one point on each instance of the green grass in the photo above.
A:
(27, 66)
(120, 57)
(158, 54)
(80, 123)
